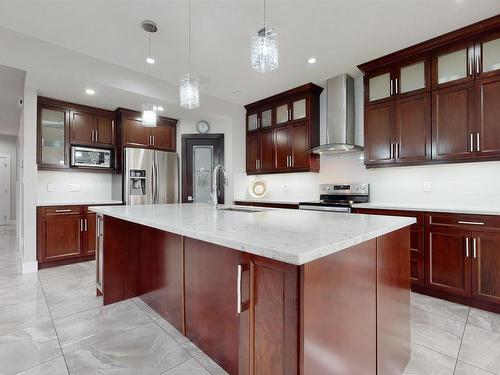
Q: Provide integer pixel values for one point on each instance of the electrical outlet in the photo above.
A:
(427, 187)
(74, 187)
(51, 187)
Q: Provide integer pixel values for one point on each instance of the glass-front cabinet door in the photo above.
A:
(488, 56)
(299, 109)
(266, 118)
(252, 121)
(380, 86)
(453, 66)
(282, 113)
(52, 128)
(412, 77)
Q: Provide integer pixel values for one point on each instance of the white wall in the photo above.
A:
(27, 186)
(73, 187)
(8, 146)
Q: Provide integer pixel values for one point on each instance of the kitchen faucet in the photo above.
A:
(214, 190)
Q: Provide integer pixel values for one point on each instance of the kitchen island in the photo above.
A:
(267, 291)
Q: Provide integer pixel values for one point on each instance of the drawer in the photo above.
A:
(375, 211)
(61, 210)
(463, 221)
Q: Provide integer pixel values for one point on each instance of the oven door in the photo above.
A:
(324, 208)
(90, 157)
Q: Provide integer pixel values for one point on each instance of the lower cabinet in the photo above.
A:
(65, 234)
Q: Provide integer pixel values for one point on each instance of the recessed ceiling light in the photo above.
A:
(311, 60)
(236, 92)
(159, 108)
(150, 60)
(89, 91)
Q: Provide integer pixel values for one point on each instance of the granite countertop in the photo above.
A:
(292, 236)
(78, 203)
(431, 208)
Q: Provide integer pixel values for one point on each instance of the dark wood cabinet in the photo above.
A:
(282, 129)
(461, 121)
(448, 261)
(164, 135)
(453, 122)
(486, 266)
(92, 128)
(65, 234)
(379, 130)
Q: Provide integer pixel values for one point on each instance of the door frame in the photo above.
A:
(9, 192)
(184, 141)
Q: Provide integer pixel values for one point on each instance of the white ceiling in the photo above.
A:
(11, 90)
(339, 33)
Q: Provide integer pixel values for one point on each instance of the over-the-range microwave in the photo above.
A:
(90, 157)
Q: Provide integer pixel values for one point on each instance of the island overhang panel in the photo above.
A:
(346, 312)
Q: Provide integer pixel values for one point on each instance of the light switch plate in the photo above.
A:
(427, 187)
(74, 187)
(50, 187)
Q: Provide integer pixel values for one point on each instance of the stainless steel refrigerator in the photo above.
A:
(150, 177)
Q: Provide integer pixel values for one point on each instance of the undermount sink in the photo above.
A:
(247, 210)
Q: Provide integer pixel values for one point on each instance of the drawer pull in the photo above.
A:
(471, 222)
(238, 289)
(466, 247)
(61, 211)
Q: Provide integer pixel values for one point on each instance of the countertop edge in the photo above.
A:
(83, 203)
(444, 209)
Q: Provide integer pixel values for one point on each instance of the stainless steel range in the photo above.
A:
(338, 197)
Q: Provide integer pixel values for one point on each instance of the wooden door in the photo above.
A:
(82, 127)
(453, 65)
(212, 320)
(164, 137)
(300, 145)
(487, 135)
(134, 133)
(269, 342)
(486, 266)
(379, 129)
(53, 136)
(282, 112)
(448, 262)
(412, 76)
(266, 158)
(105, 131)
(61, 237)
(253, 152)
(282, 148)
(90, 228)
(413, 128)
(252, 121)
(453, 122)
(488, 55)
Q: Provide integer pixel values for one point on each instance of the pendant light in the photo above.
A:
(264, 54)
(189, 83)
(149, 115)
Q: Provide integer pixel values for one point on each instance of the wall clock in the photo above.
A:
(202, 127)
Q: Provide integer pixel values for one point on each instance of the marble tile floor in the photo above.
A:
(52, 323)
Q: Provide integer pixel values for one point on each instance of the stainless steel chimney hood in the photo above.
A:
(337, 132)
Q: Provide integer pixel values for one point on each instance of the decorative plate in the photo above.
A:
(257, 188)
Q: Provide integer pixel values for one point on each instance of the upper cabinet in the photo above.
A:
(445, 94)
(92, 128)
(282, 129)
(53, 130)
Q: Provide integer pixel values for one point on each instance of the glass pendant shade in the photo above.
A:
(265, 49)
(149, 115)
(190, 91)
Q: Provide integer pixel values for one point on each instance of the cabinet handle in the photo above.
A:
(392, 88)
(474, 248)
(96, 135)
(478, 144)
(260, 164)
(65, 210)
(397, 150)
(81, 225)
(471, 61)
(478, 63)
(471, 142)
(256, 164)
(86, 225)
(238, 289)
(396, 86)
(154, 140)
(292, 161)
(289, 114)
(470, 222)
(258, 123)
(466, 247)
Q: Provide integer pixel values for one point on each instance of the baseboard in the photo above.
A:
(30, 267)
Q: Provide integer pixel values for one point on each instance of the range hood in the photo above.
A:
(337, 132)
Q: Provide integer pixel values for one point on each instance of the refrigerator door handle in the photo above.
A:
(157, 179)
